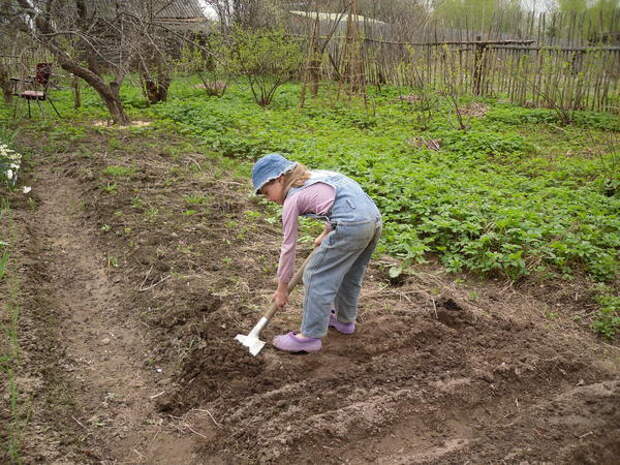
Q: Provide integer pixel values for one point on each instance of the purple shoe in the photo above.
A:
(344, 328)
(290, 343)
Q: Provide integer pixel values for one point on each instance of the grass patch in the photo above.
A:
(4, 257)
(9, 348)
(116, 171)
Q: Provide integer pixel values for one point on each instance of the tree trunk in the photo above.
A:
(315, 75)
(5, 84)
(77, 99)
(108, 93)
(315, 56)
(115, 107)
(156, 87)
(113, 102)
(155, 74)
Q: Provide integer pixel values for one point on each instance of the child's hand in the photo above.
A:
(326, 230)
(319, 239)
(280, 297)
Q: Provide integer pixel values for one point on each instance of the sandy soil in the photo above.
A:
(128, 322)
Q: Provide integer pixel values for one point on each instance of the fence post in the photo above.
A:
(478, 64)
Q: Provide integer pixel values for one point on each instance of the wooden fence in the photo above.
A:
(533, 70)
(528, 74)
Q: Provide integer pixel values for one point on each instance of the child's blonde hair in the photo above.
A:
(296, 177)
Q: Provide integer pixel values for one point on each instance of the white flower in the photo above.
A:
(10, 162)
(26, 189)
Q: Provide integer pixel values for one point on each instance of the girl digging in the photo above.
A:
(333, 277)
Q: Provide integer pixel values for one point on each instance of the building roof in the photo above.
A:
(335, 17)
(189, 11)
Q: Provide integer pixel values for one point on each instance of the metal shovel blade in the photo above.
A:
(253, 343)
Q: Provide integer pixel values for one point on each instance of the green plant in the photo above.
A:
(137, 202)
(211, 63)
(110, 188)
(607, 318)
(10, 163)
(251, 214)
(151, 213)
(118, 171)
(267, 58)
(195, 199)
(115, 144)
(4, 259)
(425, 103)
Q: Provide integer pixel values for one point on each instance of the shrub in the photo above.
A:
(267, 59)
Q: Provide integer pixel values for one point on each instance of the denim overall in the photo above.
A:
(333, 277)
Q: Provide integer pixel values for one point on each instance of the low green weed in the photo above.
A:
(137, 202)
(485, 146)
(514, 115)
(151, 213)
(118, 171)
(110, 188)
(4, 259)
(607, 318)
(195, 199)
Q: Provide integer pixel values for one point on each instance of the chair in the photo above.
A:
(35, 88)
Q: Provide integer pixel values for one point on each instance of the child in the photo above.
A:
(333, 277)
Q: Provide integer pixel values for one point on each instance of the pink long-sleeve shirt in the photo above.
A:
(318, 199)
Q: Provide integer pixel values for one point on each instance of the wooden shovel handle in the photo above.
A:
(292, 283)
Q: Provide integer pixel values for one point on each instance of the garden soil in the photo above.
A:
(130, 299)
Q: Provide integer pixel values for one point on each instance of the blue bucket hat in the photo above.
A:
(268, 168)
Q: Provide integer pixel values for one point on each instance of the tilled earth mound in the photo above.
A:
(410, 387)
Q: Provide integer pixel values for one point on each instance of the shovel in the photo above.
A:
(251, 341)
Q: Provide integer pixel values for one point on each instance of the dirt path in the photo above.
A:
(103, 364)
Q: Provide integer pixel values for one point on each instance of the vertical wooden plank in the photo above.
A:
(478, 63)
